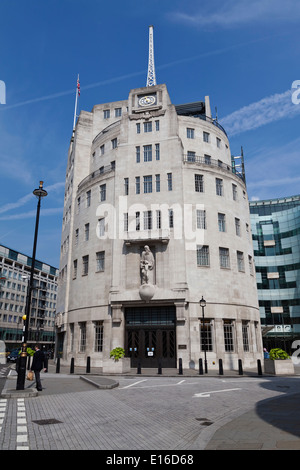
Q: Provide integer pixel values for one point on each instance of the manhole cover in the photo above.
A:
(42, 422)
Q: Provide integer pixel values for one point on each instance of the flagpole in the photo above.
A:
(76, 99)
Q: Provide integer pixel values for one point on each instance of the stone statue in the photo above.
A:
(147, 264)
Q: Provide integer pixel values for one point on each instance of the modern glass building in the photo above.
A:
(276, 239)
(15, 269)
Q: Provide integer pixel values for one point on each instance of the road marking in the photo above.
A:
(207, 394)
(22, 437)
(181, 382)
(135, 383)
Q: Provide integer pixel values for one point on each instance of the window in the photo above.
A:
(250, 264)
(74, 268)
(106, 113)
(125, 221)
(218, 142)
(126, 186)
(199, 187)
(86, 232)
(101, 227)
(85, 265)
(224, 257)
(202, 255)
(137, 185)
(157, 152)
(205, 136)
(137, 221)
(147, 153)
(114, 143)
(170, 184)
(100, 258)
(147, 220)
(118, 112)
(234, 192)
(245, 334)
(191, 156)
(221, 222)
(158, 219)
(219, 187)
(138, 128)
(201, 219)
(98, 336)
(148, 126)
(228, 336)
(206, 335)
(102, 192)
(190, 133)
(207, 159)
(148, 184)
(157, 183)
(171, 218)
(240, 261)
(88, 198)
(157, 125)
(82, 343)
(138, 154)
(102, 149)
(76, 236)
(237, 226)
(78, 204)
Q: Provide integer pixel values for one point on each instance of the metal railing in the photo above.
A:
(210, 162)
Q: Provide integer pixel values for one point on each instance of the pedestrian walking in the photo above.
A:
(38, 364)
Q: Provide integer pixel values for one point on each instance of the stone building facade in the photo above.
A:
(155, 217)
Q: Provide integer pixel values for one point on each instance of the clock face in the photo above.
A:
(147, 100)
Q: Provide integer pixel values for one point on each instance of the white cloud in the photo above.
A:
(232, 13)
(269, 109)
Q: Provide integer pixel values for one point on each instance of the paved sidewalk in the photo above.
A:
(274, 424)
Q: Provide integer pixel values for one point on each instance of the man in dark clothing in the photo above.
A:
(37, 365)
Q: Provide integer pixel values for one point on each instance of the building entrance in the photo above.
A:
(150, 336)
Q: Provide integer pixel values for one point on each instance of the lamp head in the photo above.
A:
(202, 302)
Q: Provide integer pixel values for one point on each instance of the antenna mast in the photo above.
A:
(151, 80)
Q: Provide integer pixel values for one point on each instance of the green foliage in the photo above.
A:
(278, 353)
(117, 353)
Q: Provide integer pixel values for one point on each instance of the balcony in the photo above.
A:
(199, 160)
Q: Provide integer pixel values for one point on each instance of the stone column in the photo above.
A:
(118, 326)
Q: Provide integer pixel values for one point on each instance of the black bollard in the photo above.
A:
(28, 362)
(58, 365)
(200, 367)
(240, 367)
(159, 366)
(88, 365)
(180, 366)
(259, 369)
(72, 366)
(221, 367)
(139, 368)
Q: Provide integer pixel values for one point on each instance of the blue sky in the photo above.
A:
(244, 55)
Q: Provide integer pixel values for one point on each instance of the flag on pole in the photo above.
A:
(78, 86)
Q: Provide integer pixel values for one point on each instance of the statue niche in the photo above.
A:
(147, 263)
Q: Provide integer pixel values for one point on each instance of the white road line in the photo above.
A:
(207, 394)
(181, 382)
(3, 403)
(22, 437)
(135, 383)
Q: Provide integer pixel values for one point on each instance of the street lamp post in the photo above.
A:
(203, 305)
(39, 193)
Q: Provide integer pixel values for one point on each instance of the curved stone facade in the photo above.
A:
(148, 180)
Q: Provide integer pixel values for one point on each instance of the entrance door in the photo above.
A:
(150, 336)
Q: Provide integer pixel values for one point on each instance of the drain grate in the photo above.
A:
(205, 421)
(43, 422)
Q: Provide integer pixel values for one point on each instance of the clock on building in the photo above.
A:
(147, 100)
